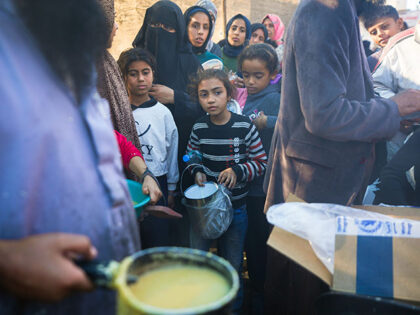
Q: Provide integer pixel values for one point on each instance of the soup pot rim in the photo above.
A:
(149, 309)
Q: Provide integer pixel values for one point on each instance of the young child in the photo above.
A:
(382, 22)
(258, 64)
(158, 136)
(241, 94)
(232, 154)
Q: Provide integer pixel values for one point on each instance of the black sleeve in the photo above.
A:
(394, 188)
(184, 105)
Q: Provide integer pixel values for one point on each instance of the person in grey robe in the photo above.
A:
(329, 116)
(329, 119)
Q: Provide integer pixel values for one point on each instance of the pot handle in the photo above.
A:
(101, 273)
(183, 173)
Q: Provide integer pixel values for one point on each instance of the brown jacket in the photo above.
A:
(329, 117)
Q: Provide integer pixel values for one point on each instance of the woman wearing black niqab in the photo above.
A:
(163, 33)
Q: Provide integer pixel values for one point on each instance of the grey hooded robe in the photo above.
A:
(329, 118)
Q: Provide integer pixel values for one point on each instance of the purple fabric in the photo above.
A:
(59, 164)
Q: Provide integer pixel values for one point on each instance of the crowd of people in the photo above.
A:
(271, 113)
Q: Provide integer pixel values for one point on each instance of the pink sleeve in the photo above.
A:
(127, 149)
(241, 96)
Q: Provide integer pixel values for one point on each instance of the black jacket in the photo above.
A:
(394, 188)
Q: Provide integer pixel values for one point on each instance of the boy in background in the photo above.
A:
(382, 22)
(397, 70)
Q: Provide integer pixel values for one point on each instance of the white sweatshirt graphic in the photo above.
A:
(158, 137)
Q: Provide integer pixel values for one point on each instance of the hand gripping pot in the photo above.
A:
(210, 209)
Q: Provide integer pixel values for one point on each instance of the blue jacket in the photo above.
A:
(267, 101)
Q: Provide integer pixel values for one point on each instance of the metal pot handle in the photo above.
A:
(101, 273)
(183, 173)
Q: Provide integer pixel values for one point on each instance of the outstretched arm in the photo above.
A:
(133, 160)
(327, 110)
(150, 186)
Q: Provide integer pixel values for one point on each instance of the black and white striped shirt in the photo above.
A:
(235, 145)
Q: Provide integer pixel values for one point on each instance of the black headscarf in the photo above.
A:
(187, 15)
(234, 51)
(174, 57)
(259, 26)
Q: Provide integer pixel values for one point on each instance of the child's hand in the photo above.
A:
(261, 121)
(200, 179)
(239, 82)
(227, 178)
(151, 188)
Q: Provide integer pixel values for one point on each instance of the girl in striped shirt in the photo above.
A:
(232, 154)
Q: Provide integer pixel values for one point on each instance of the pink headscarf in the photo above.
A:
(279, 27)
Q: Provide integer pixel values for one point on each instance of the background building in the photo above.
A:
(130, 14)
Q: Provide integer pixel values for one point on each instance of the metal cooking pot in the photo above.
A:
(119, 276)
(209, 208)
(197, 196)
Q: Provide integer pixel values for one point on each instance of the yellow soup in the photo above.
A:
(178, 287)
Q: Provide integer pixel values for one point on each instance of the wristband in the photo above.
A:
(146, 172)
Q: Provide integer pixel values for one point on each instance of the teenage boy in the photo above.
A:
(382, 22)
(397, 70)
(157, 133)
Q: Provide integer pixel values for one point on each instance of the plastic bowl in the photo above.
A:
(139, 199)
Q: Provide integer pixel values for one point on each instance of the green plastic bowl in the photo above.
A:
(139, 199)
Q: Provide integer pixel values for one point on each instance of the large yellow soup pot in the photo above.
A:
(121, 276)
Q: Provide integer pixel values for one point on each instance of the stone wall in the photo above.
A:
(283, 8)
(130, 14)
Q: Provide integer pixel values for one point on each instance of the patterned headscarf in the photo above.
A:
(108, 7)
(112, 88)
